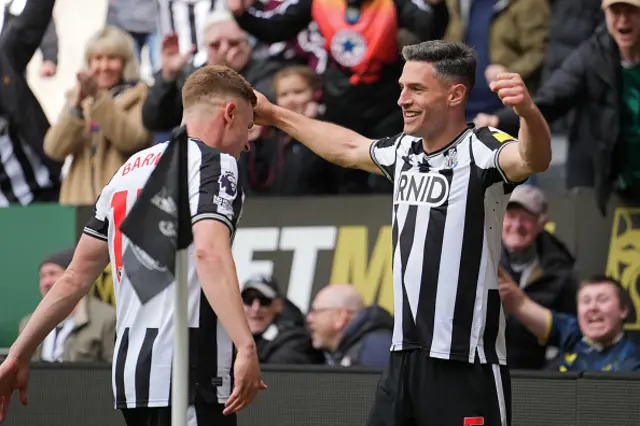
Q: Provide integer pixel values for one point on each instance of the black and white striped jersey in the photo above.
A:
(187, 19)
(144, 332)
(448, 208)
(23, 174)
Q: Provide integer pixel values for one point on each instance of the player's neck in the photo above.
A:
(197, 129)
(450, 132)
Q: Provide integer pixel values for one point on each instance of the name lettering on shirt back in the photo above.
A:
(415, 188)
(150, 159)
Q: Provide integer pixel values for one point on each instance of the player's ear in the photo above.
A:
(230, 112)
(457, 94)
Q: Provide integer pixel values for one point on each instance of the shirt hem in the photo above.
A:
(397, 347)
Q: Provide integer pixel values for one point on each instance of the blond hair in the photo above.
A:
(215, 81)
(119, 42)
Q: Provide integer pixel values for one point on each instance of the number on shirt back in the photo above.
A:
(119, 206)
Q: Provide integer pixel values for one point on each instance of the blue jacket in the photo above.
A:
(366, 341)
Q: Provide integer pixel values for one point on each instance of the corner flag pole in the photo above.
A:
(180, 370)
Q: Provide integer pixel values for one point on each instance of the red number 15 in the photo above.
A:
(119, 206)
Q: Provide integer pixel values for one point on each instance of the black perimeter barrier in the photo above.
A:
(80, 394)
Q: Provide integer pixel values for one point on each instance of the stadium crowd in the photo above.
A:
(579, 58)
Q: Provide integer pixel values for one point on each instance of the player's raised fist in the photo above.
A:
(513, 92)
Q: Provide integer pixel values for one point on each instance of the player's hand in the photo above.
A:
(510, 294)
(247, 382)
(172, 60)
(14, 375)
(513, 92)
(263, 111)
(483, 120)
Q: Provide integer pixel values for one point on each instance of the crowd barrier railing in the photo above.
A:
(80, 394)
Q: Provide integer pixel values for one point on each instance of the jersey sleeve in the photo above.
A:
(214, 190)
(563, 331)
(486, 150)
(384, 155)
(98, 225)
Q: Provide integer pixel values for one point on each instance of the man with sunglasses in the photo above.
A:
(277, 325)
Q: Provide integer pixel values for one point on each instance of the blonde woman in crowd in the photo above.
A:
(101, 124)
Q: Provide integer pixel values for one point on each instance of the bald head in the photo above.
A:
(341, 296)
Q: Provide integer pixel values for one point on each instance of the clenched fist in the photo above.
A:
(513, 92)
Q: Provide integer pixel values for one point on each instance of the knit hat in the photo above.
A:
(61, 258)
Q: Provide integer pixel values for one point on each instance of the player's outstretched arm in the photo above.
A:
(535, 317)
(336, 144)
(532, 153)
(217, 273)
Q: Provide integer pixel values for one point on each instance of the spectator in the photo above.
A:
(360, 87)
(101, 124)
(278, 340)
(226, 45)
(48, 44)
(571, 22)
(279, 165)
(139, 18)
(88, 334)
(305, 48)
(594, 340)
(508, 36)
(27, 175)
(541, 266)
(601, 80)
(346, 331)
(187, 20)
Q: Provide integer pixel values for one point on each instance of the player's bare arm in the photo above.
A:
(336, 144)
(217, 272)
(89, 260)
(535, 317)
(532, 153)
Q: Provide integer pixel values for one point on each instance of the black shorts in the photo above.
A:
(200, 414)
(417, 390)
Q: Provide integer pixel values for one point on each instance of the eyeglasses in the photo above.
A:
(248, 299)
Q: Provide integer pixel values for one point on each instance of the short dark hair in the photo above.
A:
(449, 59)
(215, 80)
(599, 279)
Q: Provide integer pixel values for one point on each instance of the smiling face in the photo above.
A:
(107, 68)
(520, 228)
(623, 23)
(600, 312)
(427, 101)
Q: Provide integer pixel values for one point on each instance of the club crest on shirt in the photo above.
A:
(228, 185)
(451, 158)
(416, 188)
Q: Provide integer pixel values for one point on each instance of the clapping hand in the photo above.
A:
(172, 60)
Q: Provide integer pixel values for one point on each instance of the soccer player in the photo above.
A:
(218, 114)
(452, 183)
